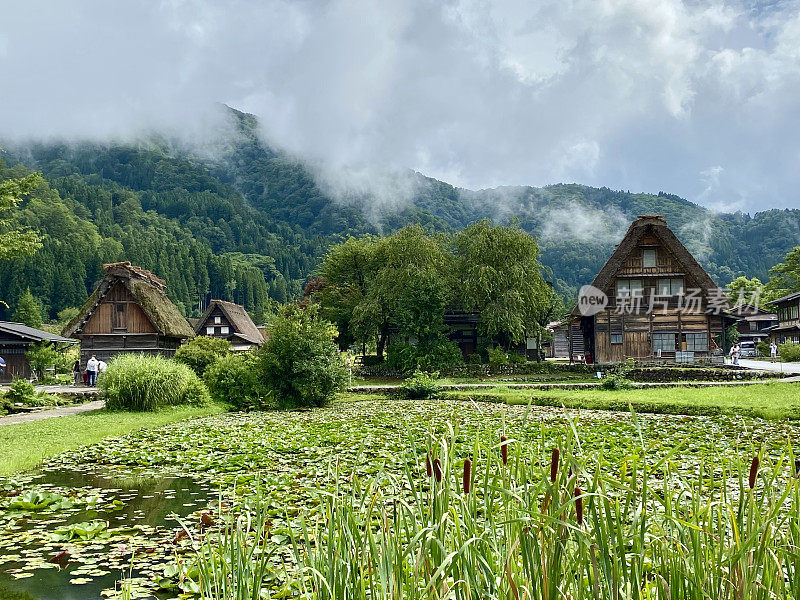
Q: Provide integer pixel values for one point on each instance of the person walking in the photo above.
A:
(773, 350)
(735, 351)
(77, 374)
(101, 367)
(91, 370)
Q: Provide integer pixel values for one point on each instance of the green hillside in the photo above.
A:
(245, 222)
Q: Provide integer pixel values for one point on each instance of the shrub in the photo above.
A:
(421, 385)
(433, 355)
(474, 359)
(23, 392)
(790, 352)
(140, 382)
(762, 348)
(619, 378)
(300, 364)
(515, 358)
(202, 352)
(41, 358)
(498, 356)
(233, 380)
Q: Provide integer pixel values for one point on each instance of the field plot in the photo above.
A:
(102, 513)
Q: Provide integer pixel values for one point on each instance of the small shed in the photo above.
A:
(15, 340)
(231, 322)
(128, 312)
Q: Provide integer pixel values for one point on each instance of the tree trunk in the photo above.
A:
(382, 336)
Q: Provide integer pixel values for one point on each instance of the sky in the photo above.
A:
(699, 99)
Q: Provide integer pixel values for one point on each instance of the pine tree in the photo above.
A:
(29, 310)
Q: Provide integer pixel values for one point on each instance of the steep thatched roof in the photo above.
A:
(241, 322)
(150, 293)
(657, 226)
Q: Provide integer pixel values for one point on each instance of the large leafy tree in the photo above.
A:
(785, 276)
(16, 241)
(499, 276)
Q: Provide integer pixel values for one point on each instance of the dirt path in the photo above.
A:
(63, 411)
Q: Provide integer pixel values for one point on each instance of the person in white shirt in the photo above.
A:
(773, 350)
(92, 366)
(101, 366)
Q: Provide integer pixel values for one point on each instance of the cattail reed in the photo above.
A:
(753, 472)
(428, 467)
(554, 465)
(467, 475)
(504, 449)
(437, 470)
(579, 505)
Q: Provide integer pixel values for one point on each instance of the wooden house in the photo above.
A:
(231, 322)
(129, 311)
(754, 323)
(788, 327)
(15, 340)
(651, 301)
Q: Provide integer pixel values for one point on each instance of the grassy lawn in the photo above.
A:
(25, 445)
(766, 400)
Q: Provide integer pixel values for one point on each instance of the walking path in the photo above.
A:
(63, 411)
(790, 368)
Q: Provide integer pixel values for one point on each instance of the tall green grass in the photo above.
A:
(144, 383)
(505, 529)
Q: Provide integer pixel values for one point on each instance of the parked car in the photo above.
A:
(748, 349)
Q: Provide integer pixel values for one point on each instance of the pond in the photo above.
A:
(71, 534)
(113, 506)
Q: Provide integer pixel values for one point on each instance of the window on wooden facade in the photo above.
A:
(648, 258)
(629, 287)
(209, 330)
(217, 320)
(616, 338)
(697, 342)
(664, 342)
(787, 313)
(670, 287)
(223, 330)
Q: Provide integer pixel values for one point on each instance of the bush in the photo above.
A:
(42, 357)
(23, 392)
(140, 382)
(434, 355)
(301, 364)
(619, 378)
(421, 386)
(474, 359)
(233, 380)
(790, 352)
(202, 352)
(762, 348)
(515, 358)
(497, 356)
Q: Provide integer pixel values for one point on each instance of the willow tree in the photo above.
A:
(499, 276)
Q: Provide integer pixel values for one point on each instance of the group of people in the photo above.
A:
(93, 368)
(736, 352)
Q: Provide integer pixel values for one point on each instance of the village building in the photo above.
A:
(15, 340)
(231, 322)
(754, 323)
(787, 329)
(129, 311)
(653, 302)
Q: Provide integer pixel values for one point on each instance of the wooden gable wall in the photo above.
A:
(118, 313)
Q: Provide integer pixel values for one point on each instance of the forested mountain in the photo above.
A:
(233, 218)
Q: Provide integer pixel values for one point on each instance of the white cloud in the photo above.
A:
(631, 94)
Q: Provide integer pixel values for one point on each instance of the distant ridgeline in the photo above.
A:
(248, 224)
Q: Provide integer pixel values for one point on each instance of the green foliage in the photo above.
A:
(42, 357)
(65, 315)
(202, 352)
(23, 392)
(16, 240)
(300, 364)
(745, 291)
(619, 378)
(498, 356)
(762, 348)
(232, 380)
(421, 385)
(500, 276)
(28, 310)
(785, 276)
(439, 353)
(789, 352)
(145, 383)
(732, 335)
